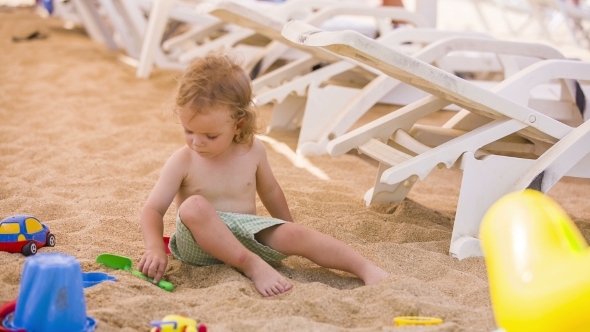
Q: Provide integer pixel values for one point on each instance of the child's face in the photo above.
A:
(211, 133)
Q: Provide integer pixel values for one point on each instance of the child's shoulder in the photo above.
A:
(258, 146)
(182, 155)
(183, 152)
(257, 143)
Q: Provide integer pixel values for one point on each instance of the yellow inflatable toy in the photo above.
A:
(177, 323)
(538, 265)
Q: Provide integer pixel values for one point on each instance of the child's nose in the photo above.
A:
(197, 141)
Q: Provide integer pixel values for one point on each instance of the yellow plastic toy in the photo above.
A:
(416, 320)
(538, 265)
(177, 323)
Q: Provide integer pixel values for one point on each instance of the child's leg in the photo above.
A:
(322, 249)
(215, 238)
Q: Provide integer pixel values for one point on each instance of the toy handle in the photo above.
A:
(165, 285)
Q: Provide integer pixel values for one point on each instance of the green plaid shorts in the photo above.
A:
(244, 226)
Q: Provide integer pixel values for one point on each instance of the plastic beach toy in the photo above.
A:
(24, 234)
(125, 263)
(538, 265)
(90, 279)
(166, 244)
(177, 323)
(6, 309)
(48, 5)
(416, 320)
(51, 296)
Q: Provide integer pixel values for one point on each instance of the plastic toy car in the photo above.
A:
(24, 234)
(177, 323)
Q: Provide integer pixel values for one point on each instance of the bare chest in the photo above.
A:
(227, 181)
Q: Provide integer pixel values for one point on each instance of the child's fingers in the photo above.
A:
(156, 270)
(145, 269)
(153, 265)
(141, 263)
(152, 270)
(159, 275)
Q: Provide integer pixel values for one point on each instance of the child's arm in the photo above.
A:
(269, 190)
(154, 260)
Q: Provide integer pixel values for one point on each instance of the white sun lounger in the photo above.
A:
(408, 152)
(286, 85)
(254, 55)
(128, 20)
(577, 18)
(86, 13)
(307, 91)
(271, 27)
(329, 112)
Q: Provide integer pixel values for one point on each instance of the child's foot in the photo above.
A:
(267, 280)
(373, 274)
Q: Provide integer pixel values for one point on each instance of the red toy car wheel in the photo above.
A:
(50, 242)
(29, 249)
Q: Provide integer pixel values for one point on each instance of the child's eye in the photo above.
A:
(211, 137)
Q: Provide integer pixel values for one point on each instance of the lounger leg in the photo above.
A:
(287, 115)
(128, 38)
(570, 156)
(323, 107)
(330, 113)
(153, 36)
(94, 24)
(484, 182)
(385, 193)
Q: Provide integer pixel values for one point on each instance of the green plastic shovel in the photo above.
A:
(125, 263)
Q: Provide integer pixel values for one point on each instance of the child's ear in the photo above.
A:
(239, 125)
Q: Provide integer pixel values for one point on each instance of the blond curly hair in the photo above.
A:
(215, 82)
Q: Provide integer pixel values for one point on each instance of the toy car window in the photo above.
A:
(9, 228)
(33, 225)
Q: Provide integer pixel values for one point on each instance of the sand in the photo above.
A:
(82, 142)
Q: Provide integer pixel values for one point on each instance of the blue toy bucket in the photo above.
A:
(51, 296)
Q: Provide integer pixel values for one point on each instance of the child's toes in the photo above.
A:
(286, 285)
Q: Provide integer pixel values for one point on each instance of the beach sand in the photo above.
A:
(82, 142)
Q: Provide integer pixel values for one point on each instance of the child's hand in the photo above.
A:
(153, 264)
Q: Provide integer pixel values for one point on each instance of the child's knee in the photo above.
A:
(195, 208)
